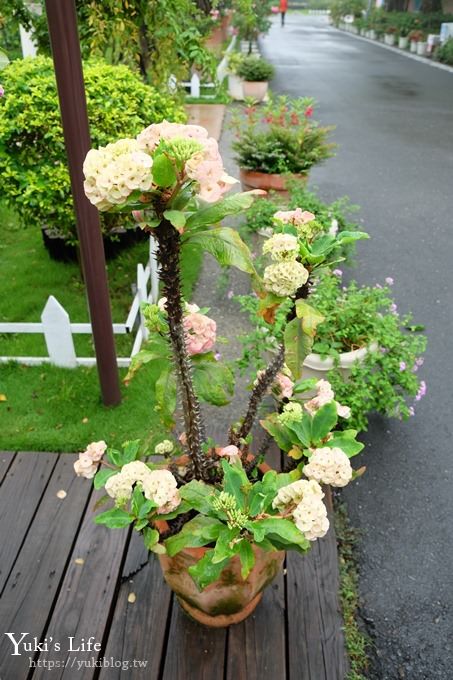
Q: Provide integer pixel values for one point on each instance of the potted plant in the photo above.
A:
(32, 152)
(389, 36)
(235, 82)
(255, 73)
(279, 142)
(219, 523)
(416, 36)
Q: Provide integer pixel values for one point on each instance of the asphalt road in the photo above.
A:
(394, 119)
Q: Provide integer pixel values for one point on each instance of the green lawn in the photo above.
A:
(45, 408)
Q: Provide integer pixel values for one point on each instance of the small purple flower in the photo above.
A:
(377, 285)
(338, 272)
(217, 356)
(389, 281)
(383, 350)
(230, 294)
(420, 361)
(393, 308)
(411, 411)
(402, 365)
(2, 90)
(421, 391)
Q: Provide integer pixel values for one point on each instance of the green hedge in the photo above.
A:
(35, 179)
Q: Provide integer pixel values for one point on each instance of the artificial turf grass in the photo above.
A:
(46, 407)
(29, 276)
(55, 409)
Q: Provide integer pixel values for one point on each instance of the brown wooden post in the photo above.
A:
(64, 39)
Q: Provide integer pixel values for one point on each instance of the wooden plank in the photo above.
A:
(138, 629)
(6, 458)
(315, 637)
(84, 604)
(256, 647)
(20, 496)
(34, 581)
(194, 652)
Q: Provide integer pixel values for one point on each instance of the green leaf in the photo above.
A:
(163, 171)
(213, 214)
(226, 246)
(235, 482)
(223, 548)
(262, 494)
(310, 317)
(323, 421)
(283, 529)
(351, 447)
(213, 381)
(165, 390)
(197, 495)
(301, 386)
(176, 217)
(115, 457)
(278, 432)
(115, 518)
(102, 476)
(303, 430)
(205, 572)
(349, 236)
(199, 531)
(297, 346)
(130, 451)
(247, 557)
(150, 538)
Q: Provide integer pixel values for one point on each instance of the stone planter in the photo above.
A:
(403, 42)
(228, 600)
(389, 39)
(235, 87)
(252, 179)
(421, 49)
(372, 34)
(315, 366)
(256, 90)
(413, 46)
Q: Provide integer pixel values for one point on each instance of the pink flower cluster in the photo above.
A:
(297, 217)
(231, 452)
(284, 385)
(200, 332)
(205, 166)
(325, 395)
(88, 461)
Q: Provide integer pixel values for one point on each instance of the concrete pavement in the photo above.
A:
(394, 119)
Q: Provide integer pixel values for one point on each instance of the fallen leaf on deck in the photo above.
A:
(61, 494)
(131, 598)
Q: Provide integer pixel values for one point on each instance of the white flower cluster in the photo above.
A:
(165, 446)
(325, 395)
(281, 247)
(284, 278)
(158, 486)
(309, 513)
(113, 172)
(88, 461)
(329, 466)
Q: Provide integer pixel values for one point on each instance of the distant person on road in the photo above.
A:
(283, 10)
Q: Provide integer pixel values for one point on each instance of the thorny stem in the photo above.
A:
(168, 255)
(262, 385)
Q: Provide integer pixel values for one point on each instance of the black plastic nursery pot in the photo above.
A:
(62, 249)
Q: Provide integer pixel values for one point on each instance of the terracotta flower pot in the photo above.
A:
(228, 600)
(252, 179)
(256, 90)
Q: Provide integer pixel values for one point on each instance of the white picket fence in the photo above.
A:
(194, 85)
(58, 330)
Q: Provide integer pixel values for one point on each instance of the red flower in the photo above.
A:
(294, 119)
(309, 111)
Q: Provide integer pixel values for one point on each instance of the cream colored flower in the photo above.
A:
(96, 450)
(84, 466)
(284, 278)
(282, 247)
(304, 500)
(119, 488)
(160, 486)
(329, 466)
(165, 446)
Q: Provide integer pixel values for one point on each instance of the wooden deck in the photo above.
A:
(62, 577)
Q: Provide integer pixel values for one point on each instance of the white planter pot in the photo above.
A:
(389, 39)
(413, 46)
(403, 42)
(235, 89)
(257, 90)
(372, 34)
(363, 32)
(316, 367)
(421, 49)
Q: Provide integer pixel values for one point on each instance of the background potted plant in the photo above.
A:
(235, 82)
(219, 525)
(279, 142)
(390, 34)
(416, 36)
(255, 73)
